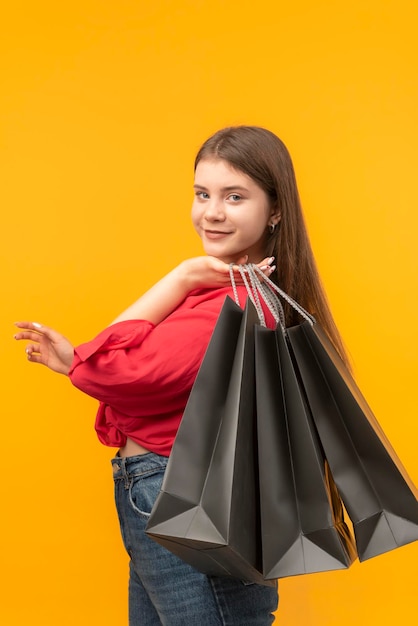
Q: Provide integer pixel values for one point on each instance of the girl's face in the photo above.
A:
(231, 212)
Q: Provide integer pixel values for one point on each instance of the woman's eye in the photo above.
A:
(235, 197)
(202, 194)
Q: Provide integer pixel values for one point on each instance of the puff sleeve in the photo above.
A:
(140, 369)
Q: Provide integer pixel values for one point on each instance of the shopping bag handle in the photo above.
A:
(257, 284)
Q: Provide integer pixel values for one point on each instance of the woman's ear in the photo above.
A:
(275, 216)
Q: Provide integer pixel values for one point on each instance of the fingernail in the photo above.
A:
(264, 267)
(36, 324)
(272, 268)
(271, 259)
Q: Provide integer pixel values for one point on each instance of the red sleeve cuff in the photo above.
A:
(122, 335)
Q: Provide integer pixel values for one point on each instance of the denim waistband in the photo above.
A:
(137, 465)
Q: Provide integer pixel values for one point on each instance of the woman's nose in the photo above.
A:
(214, 210)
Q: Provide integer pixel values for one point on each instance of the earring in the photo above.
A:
(272, 228)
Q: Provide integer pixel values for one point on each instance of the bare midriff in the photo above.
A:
(132, 449)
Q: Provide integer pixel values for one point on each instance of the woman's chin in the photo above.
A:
(222, 256)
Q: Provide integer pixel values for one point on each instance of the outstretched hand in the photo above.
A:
(47, 346)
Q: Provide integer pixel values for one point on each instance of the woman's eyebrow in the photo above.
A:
(228, 188)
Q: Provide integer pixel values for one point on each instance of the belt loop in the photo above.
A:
(124, 472)
(119, 465)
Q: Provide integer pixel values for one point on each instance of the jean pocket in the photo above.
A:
(143, 491)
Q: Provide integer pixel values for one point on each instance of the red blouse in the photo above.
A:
(142, 374)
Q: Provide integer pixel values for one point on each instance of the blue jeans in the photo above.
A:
(163, 589)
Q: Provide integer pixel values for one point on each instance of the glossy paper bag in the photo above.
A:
(302, 525)
(208, 509)
(377, 492)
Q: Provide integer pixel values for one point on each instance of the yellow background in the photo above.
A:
(103, 105)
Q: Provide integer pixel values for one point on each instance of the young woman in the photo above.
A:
(142, 367)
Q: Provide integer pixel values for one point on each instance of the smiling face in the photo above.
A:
(231, 212)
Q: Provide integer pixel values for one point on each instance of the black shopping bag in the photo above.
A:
(207, 512)
(377, 492)
(302, 524)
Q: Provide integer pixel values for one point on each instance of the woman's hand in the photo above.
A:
(210, 272)
(47, 346)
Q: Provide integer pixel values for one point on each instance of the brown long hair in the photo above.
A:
(261, 155)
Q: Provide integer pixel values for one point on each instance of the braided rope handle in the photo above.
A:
(270, 298)
(258, 284)
(275, 288)
(251, 291)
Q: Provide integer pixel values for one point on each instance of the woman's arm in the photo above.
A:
(50, 348)
(162, 298)
(165, 296)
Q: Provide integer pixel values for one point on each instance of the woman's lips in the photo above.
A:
(216, 234)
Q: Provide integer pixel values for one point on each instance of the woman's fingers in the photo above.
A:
(34, 331)
(29, 335)
(33, 353)
(29, 330)
(31, 350)
(34, 357)
(29, 325)
(266, 264)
